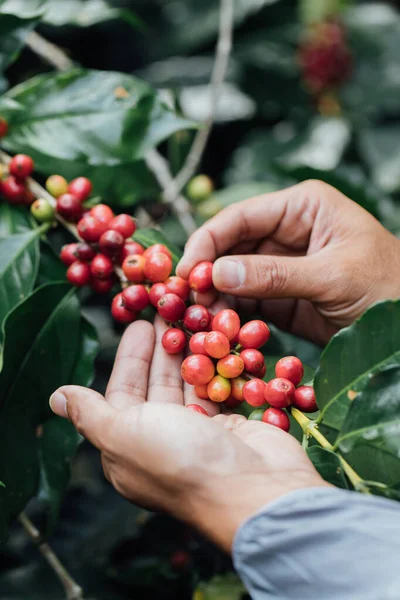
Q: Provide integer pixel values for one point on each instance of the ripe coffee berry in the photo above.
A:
(158, 267)
(256, 415)
(201, 392)
(279, 392)
(111, 243)
(42, 211)
(102, 286)
(196, 343)
(3, 127)
(90, 229)
(276, 417)
(81, 187)
(136, 297)
(157, 291)
(174, 341)
(304, 399)
(158, 248)
(133, 268)
(290, 367)
(216, 344)
(85, 252)
(124, 224)
(253, 392)
(120, 312)
(78, 273)
(231, 402)
(230, 366)
(253, 360)
(237, 388)
(29, 197)
(130, 247)
(227, 322)
(69, 207)
(254, 334)
(197, 408)
(197, 318)
(21, 165)
(13, 190)
(101, 267)
(171, 308)
(177, 285)
(56, 185)
(197, 369)
(68, 254)
(200, 278)
(102, 213)
(219, 389)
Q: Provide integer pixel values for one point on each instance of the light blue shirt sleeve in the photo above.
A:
(321, 544)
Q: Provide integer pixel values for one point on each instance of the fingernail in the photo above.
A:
(58, 404)
(229, 273)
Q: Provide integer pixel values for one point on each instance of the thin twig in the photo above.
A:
(72, 590)
(49, 52)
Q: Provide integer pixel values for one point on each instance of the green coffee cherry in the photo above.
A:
(42, 210)
(257, 414)
(200, 188)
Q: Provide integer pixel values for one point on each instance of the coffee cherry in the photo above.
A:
(29, 197)
(197, 318)
(174, 341)
(262, 372)
(177, 285)
(197, 369)
(90, 229)
(56, 185)
(130, 248)
(13, 190)
(231, 402)
(253, 360)
(304, 399)
(120, 312)
(197, 408)
(136, 297)
(78, 273)
(68, 254)
(200, 188)
(256, 415)
(201, 392)
(279, 392)
(237, 388)
(157, 291)
(254, 334)
(69, 207)
(102, 286)
(253, 392)
(3, 127)
(158, 248)
(276, 417)
(216, 344)
(21, 165)
(200, 278)
(227, 322)
(111, 243)
(171, 308)
(219, 389)
(124, 224)
(230, 366)
(85, 252)
(102, 213)
(133, 268)
(101, 267)
(42, 211)
(290, 367)
(81, 187)
(158, 267)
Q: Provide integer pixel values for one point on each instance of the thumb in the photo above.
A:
(260, 276)
(87, 410)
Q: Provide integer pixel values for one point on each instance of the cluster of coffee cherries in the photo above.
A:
(13, 183)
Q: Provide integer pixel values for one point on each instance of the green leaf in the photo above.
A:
(50, 266)
(328, 466)
(380, 149)
(84, 14)
(13, 31)
(314, 11)
(353, 355)
(221, 587)
(14, 219)
(148, 237)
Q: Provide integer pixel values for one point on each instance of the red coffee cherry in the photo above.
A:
(253, 392)
(69, 207)
(279, 392)
(29, 198)
(85, 252)
(174, 341)
(120, 312)
(157, 291)
(177, 285)
(230, 366)
(102, 213)
(227, 322)
(56, 185)
(68, 254)
(197, 408)
(304, 399)
(21, 165)
(158, 248)
(136, 297)
(3, 127)
(196, 343)
(171, 308)
(216, 344)
(237, 388)
(133, 268)
(102, 286)
(219, 389)
(101, 267)
(111, 243)
(130, 248)
(158, 267)
(201, 392)
(276, 417)
(231, 402)
(124, 224)
(262, 372)
(253, 360)
(81, 187)
(290, 367)
(197, 369)
(254, 334)
(13, 190)
(89, 228)
(78, 273)
(200, 278)
(256, 415)
(197, 318)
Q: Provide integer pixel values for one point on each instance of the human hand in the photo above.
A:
(315, 259)
(213, 473)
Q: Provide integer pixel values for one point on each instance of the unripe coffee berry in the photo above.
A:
(69, 207)
(290, 367)
(256, 415)
(219, 389)
(158, 267)
(13, 190)
(81, 187)
(133, 268)
(120, 312)
(124, 224)
(197, 369)
(230, 366)
(102, 213)
(136, 297)
(130, 247)
(3, 127)
(68, 254)
(174, 341)
(101, 267)
(102, 286)
(157, 291)
(78, 273)
(279, 392)
(200, 188)
(216, 344)
(200, 278)
(85, 252)
(277, 418)
(254, 334)
(171, 308)
(196, 343)
(304, 399)
(197, 408)
(158, 248)
(56, 185)
(237, 388)
(21, 166)
(253, 360)
(253, 392)
(201, 392)
(111, 243)
(197, 318)
(227, 322)
(177, 285)
(42, 211)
